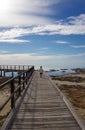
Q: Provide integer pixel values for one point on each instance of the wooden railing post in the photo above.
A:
(23, 80)
(19, 85)
(11, 67)
(23, 67)
(12, 74)
(14, 67)
(7, 67)
(1, 73)
(19, 67)
(26, 77)
(12, 93)
(4, 73)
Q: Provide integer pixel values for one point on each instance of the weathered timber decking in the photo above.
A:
(43, 108)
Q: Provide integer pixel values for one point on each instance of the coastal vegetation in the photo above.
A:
(4, 94)
(3, 79)
(73, 87)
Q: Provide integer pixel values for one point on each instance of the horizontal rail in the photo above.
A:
(20, 80)
(15, 67)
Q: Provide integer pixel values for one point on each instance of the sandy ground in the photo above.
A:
(4, 94)
(73, 87)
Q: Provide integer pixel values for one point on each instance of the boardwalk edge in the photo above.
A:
(75, 114)
(10, 117)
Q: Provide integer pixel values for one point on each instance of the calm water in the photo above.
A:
(9, 74)
(60, 72)
(50, 73)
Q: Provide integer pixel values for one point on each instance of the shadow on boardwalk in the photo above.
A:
(43, 108)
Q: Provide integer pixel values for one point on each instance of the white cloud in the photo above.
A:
(13, 33)
(81, 46)
(34, 12)
(59, 60)
(78, 20)
(44, 48)
(62, 42)
(75, 25)
(60, 27)
(25, 12)
(14, 41)
(4, 52)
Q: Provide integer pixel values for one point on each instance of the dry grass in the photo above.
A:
(4, 79)
(73, 87)
(4, 113)
(4, 94)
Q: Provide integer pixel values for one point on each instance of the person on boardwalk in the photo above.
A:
(41, 71)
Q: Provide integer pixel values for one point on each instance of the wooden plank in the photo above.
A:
(43, 108)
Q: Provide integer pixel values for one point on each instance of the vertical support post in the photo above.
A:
(23, 67)
(11, 67)
(19, 85)
(4, 73)
(26, 77)
(1, 73)
(7, 67)
(19, 67)
(12, 74)
(12, 93)
(23, 80)
(14, 67)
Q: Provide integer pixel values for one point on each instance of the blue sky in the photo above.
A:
(50, 33)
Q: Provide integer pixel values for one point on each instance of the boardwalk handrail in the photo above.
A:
(20, 80)
(15, 67)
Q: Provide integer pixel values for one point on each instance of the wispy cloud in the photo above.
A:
(78, 20)
(75, 25)
(62, 42)
(13, 32)
(12, 35)
(4, 52)
(36, 56)
(81, 46)
(42, 49)
(26, 12)
(14, 41)
(72, 26)
(44, 60)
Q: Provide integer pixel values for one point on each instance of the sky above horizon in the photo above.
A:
(50, 33)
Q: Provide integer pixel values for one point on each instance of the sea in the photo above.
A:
(60, 72)
(9, 74)
(50, 73)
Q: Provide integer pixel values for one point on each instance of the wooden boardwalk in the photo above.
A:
(43, 108)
